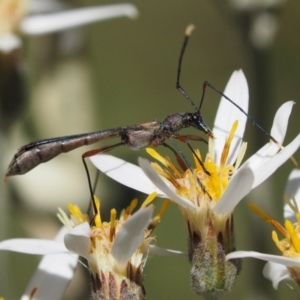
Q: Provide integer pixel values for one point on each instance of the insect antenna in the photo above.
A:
(188, 32)
(206, 84)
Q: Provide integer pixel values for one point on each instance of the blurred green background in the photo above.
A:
(121, 72)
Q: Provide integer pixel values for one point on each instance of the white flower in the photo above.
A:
(255, 170)
(116, 251)
(208, 194)
(55, 269)
(111, 249)
(14, 18)
(287, 266)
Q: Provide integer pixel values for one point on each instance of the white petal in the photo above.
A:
(125, 173)
(9, 42)
(263, 155)
(275, 273)
(239, 186)
(131, 235)
(53, 274)
(267, 169)
(154, 250)
(33, 246)
(78, 240)
(36, 25)
(275, 269)
(278, 132)
(288, 262)
(158, 181)
(292, 190)
(289, 214)
(36, 246)
(281, 121)
(236, 90)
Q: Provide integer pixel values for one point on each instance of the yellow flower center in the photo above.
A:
(103, 233)
(107, 275)
(214, 177)
(290, 244)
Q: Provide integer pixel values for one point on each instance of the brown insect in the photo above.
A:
(136, 137)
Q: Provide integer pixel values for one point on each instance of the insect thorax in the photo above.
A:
(175, 122)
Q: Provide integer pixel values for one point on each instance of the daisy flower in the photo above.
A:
(56, 268)
(116, 252)
(286, 266)
(20, 17)
(208, 193)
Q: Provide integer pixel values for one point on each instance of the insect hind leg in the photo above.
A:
(89, 154)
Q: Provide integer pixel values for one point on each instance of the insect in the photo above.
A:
(136, 137)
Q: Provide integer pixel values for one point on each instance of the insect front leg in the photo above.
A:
(184, 138)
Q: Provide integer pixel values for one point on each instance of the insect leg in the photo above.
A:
(184, 139)
(195, 138)
(181, 154)
(89, 154)
(178, 157)
(208, 84)
(188, 33)
(188, 164)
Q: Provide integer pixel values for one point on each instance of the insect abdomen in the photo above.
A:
(31, 155)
